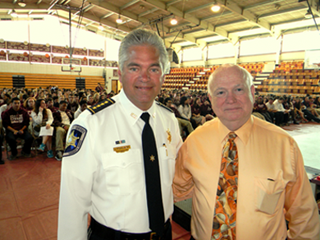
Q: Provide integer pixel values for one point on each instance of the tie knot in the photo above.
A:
(145, 117)
(232, 135)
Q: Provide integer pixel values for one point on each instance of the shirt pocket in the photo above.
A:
(123, 172)
(167, 160)
(267, 194)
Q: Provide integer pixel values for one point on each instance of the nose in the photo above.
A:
(144, 75)
(231, 97)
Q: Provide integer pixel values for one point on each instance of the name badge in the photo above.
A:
(122, 149)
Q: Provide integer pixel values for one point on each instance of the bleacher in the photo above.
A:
(286, 78)
(32, 80)
(196, 78)
(291, 78)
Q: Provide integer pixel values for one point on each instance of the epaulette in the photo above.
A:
(164, 106)
(99, 106)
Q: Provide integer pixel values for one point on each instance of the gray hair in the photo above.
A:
(140, 37)
(245, 75)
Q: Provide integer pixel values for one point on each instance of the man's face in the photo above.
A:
(83, 107)
(16, 105)
(169, 102)
(63, 107)
(232, 99)
(141, 77)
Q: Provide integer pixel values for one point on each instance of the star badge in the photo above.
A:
(72, 140)
(152, 158)
(169, 135)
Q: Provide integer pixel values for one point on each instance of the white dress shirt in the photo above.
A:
(278, 106)
(109, 184)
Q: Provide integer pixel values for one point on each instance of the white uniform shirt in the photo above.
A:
(97, 178)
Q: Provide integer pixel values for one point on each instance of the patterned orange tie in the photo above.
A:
(224, 221)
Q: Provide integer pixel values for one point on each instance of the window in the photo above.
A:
(258, 46)
(221, 50)
(192, 54)
(301, 41)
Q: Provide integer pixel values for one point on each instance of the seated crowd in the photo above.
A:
(25, 111)
(43, 115)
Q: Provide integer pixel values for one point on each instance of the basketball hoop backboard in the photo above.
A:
(71, 65)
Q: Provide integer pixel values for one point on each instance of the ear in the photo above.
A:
(119, 74)
(210, 98)
(252, 89)
(162, 79)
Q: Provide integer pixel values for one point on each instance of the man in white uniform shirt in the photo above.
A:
(103, 170)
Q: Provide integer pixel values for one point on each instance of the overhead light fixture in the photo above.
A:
(14, 13)
(21, 3)
(119, 20)
(174, 21)
(215, 8)
(308, 14)
(101, 27)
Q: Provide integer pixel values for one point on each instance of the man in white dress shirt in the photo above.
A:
(103, 166)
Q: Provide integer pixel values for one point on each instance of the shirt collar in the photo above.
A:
(243, 132)
(134, 112)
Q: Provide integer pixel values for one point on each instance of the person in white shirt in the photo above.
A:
(103, 171)
(274, 113)
(42, 117)
(279, 107)
(81, 108)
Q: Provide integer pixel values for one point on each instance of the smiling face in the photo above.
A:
(231, 97)
(141, 77)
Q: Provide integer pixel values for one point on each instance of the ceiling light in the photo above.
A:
(21, 3)
(308, 14)
(101, 27)
(119, 20)
(215, 8)
(174, 21)
(14, 14)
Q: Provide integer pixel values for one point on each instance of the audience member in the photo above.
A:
(183, 123)
(42, 117)
(16, 121)
(196, 112)
(62, 121)
(81, 108)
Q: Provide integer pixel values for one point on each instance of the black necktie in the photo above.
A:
(153, 186)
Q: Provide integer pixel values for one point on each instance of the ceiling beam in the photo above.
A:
(283, 11)
(112, 8)
(129, 4)
(147, 12)
(235, 8)
(260, 4)
(223, 14)
(199, 8)
(188, 17)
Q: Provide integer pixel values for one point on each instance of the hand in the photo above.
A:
(20, 132)
(48, 126)
(15, 132)
(40, 109)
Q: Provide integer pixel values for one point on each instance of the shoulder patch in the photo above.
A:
(164, 106)
(74, 140)
(99, 106)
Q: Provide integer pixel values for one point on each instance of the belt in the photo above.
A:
(104, 232)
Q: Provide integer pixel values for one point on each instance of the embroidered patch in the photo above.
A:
(74, 140)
